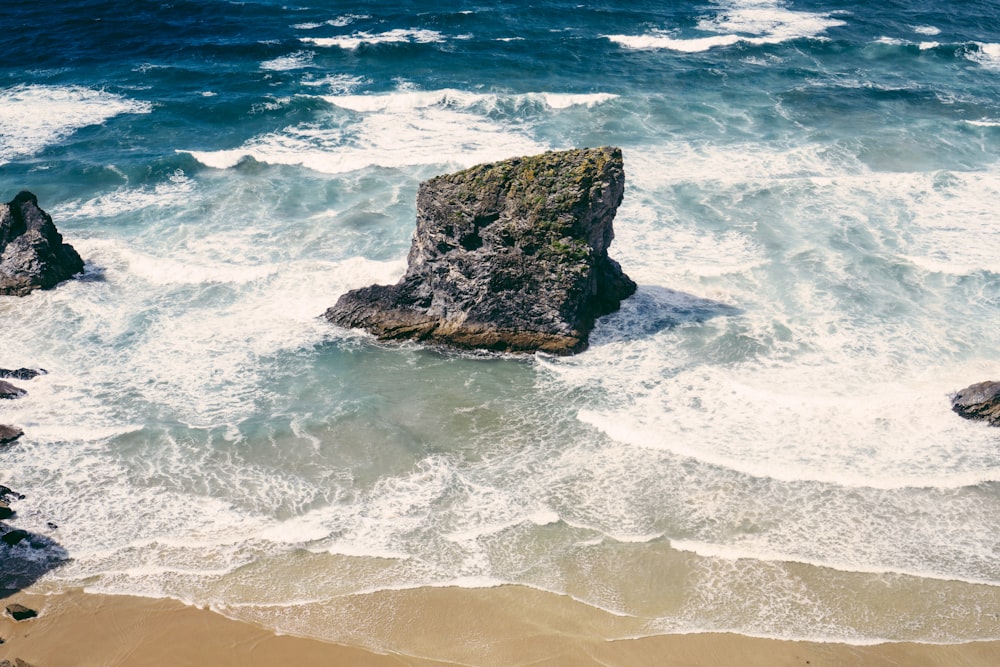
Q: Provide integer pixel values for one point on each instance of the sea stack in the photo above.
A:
(32, 252)
(509, 256)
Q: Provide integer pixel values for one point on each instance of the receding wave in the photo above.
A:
(740, 553)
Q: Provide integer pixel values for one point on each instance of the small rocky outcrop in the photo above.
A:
(21, 373)
(509, 256)
(9, 434)
(20, 613)
(980, 402)
(32, 252)
(7, 390)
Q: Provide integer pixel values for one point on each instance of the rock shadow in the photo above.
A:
(654, 308)
(25, 557)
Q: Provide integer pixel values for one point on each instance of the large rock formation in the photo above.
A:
(507, 256)
(980, 402)
(32, 252)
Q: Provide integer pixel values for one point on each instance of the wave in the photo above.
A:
(128, 200)
(752, 22)
(986, 54)
(33, 117)
(401, 129)
(460, 99)
(293, 61)
(895, 41)
(339, 22)
(397, 36)
(771, 422)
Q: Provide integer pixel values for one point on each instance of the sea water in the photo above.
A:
(759, 441)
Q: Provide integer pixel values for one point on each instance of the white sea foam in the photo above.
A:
(665, 40)
(751, 22)
(33, 117)
(397, 36)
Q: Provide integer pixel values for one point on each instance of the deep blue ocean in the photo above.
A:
(759, 441)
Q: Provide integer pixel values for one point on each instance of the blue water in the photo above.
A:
(759, 441)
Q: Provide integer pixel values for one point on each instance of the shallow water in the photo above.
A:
(760, 440)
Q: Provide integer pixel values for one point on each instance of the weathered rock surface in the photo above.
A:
(509, 256)
(980, 402)
(22, 373)
(7, 390)
(20, 613)
(32, 252)
(9, 434)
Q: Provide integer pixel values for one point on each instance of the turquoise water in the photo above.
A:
(759, 441)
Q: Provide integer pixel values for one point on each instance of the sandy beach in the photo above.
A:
(429, 627)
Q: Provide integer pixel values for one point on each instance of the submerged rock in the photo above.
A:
(980, 402)
(32, 252)
(14, 537)
(508, 256)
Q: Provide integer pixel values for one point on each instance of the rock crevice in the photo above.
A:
(509, 256)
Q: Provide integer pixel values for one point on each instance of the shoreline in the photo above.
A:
(419, 628)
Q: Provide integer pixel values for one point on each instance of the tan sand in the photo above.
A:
(459, 626)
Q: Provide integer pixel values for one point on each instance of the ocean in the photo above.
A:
(760, 441)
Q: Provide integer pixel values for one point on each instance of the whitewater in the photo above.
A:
(759, 441)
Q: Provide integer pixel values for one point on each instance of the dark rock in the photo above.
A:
(506, 256)
(980, 402)
(9, 434)
(32, 252)
(20, 613)
(7, 492)
(7, 390)
(22, 373)
(5, 511)
(15, 537)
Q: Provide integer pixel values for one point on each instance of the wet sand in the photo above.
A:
(427, 627)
